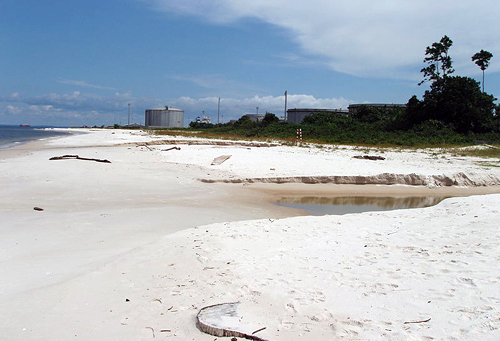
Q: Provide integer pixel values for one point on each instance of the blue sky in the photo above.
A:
(80, 62)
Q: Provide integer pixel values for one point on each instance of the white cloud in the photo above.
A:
(84, 84)
(10, 109)
(385, 38)
(73, 108)
(233, 108)
(90, 109)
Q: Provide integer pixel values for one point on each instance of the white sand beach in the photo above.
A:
(133, 249)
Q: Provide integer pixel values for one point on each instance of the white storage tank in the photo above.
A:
(164, 117)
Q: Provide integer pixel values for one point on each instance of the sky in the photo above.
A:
(81, 62)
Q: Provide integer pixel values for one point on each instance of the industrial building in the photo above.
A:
(296, 116)
(164, 117)
(353, 108)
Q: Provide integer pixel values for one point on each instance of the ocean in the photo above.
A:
(11, 136)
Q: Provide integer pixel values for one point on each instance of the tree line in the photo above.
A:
(454, 110)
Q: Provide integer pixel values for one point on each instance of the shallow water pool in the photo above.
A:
(357, 204)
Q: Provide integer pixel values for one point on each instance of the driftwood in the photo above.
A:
(65, 157)
(152, 331)
(220, 159)
(173, 148)
(259, 330)
(369, 157)
(418, 321)
(213, 320)
(144, 145)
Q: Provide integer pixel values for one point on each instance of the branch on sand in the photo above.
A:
(369, 157)
(66, 157)
(418, 321)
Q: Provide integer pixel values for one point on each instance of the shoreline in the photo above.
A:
(141, 244)
(28, 147)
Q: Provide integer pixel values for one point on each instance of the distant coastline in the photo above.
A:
(14, 135)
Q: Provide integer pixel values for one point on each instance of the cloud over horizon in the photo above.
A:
(91, 109)
(365, 38)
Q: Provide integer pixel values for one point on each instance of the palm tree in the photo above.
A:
(482, 59)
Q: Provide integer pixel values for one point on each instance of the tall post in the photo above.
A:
(218, 112)
(129, 113)
(286, 95)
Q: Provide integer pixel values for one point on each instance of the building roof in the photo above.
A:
(315, 110)
(166, 108)
(389, 105)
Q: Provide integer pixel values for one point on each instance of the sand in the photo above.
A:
(133, 249)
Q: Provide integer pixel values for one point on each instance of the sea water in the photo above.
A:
(15, 135)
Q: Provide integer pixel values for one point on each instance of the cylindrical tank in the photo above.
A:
(164, 117)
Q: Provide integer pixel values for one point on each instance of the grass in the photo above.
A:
(485, 164)
(487, 152)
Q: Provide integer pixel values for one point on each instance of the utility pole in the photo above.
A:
(129, 113)
(218, 112)
(286, 95)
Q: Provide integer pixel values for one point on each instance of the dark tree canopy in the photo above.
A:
(246, 122)
(456, 101)
(438, 60)
(269, 118)
(459, 102)
(369, 114)
(482, 59)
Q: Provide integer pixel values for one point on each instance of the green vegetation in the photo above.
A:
(488, 165)
(482, 59)
(489, 152)
(453, 112)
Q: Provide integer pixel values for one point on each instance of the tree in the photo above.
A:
(269, 118)
(245, 122)
(482, 59)
(369, 114)
(440, 65)
(458, 102)
(322, 118)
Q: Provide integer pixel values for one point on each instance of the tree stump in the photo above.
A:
(223, 320)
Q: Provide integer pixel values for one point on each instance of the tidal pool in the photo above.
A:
(356, 204)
